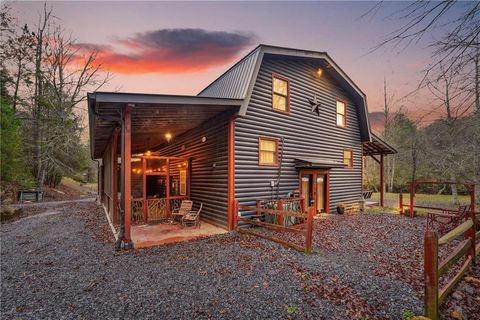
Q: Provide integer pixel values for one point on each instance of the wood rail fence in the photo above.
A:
(433, 270)
(306, 230)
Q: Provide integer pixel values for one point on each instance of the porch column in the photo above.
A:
(231, 173)
(126, 170)
(382, 182)
(114, 176)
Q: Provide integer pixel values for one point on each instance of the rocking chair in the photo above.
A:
(192, 218)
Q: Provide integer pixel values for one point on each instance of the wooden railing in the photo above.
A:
(433, 270)
(280, 214)
(288, 204)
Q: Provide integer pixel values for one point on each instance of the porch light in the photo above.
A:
(148, 153)
(168, 136)
(319, 72)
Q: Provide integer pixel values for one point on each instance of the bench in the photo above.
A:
(447, 219)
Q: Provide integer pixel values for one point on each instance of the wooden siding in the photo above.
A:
(208, 180)
(305, 133)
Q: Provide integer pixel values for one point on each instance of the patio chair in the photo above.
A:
(184, 209)
(193, 217)
(447, 219)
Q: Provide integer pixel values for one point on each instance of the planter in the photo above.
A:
(340, 209)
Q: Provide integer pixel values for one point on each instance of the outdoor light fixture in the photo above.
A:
(204, 139)
(168, 136)
(319, 72)
(148, 153)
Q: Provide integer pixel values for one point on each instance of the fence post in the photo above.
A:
(412, 196)
(235, 214)
(309, 231)
(280, 216)
(471, 234)
(400, 202)
(431, 274)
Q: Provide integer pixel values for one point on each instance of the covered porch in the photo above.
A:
(377, 149)
(151, 148)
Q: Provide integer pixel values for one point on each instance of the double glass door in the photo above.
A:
(313, 187)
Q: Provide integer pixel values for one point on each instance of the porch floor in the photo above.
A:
(148, 235)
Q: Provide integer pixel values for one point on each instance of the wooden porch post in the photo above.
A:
(471, 233)
(114, 175)
(231, 173)
(127, 170)
(382, 182)
(412, 196)
(144, 190)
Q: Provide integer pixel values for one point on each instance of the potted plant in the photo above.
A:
(340, 208)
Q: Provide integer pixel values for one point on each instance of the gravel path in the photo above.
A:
(62, 266)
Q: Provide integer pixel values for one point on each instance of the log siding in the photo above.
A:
(209, 166)
(305, 133)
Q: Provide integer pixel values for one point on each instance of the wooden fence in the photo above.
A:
(433, 270)
(306, 231)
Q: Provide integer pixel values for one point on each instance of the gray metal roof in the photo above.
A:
(238, 81)
(234, 82)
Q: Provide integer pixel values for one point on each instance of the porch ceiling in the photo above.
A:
(152, 117)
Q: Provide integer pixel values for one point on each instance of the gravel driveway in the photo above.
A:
(62, 266)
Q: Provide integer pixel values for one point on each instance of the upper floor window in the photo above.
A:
(341, 114)
(267, 151)
(280, 93)
(348, 158)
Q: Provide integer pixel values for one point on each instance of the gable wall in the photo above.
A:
(306, 134)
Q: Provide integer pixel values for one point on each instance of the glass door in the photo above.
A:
(313, 187)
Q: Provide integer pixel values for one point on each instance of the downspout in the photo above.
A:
(279, 173)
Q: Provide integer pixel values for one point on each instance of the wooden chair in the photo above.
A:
(179, 213)
(192, 218)
(445, 220)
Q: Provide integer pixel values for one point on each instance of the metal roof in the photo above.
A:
(238, 81)
(377, 146)
(317, 163)
(153, 116)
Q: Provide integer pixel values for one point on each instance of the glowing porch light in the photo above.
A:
(148, 153)
(168, 136)
(319, 72)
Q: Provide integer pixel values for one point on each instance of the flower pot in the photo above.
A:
(340, 210)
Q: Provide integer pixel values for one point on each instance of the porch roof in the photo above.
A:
(317, 163)
(377, 146)
(153, 116)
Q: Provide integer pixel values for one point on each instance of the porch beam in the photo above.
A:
(127, 170)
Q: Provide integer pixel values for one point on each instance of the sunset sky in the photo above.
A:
(180, 47)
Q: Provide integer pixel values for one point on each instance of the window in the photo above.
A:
(280, 94)
(267, 151)
(341, 114)
(348, 158)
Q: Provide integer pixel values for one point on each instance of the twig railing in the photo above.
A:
(433, 270)
(294, 204)
(306, 231)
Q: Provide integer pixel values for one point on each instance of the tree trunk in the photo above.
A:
(476, 138)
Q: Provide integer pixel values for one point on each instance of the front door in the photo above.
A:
(314, 188)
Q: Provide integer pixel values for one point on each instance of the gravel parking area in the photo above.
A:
(63, 266)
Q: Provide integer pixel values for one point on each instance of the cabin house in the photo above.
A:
(279, 122)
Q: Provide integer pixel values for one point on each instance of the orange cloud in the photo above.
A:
(170, 51)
